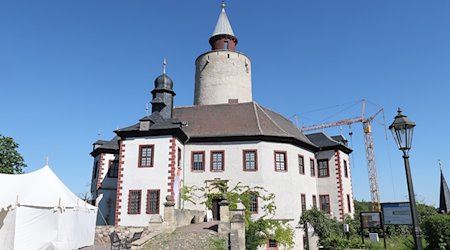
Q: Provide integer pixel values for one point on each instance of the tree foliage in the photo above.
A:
(324, 226)
(258, 231)
(331, 237)
(436, 229)
(11, 161)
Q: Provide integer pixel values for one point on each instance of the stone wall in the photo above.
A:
(102, 233)
(184, 217)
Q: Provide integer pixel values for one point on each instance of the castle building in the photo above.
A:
(224, 135)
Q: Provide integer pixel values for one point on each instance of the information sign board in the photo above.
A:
(398, 213)
(371, 220)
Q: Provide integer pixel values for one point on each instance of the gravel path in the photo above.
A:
(192, 237)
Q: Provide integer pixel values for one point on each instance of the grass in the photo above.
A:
(394, 243)
(218, 244)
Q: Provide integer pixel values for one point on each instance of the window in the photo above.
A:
(94, 174)
(134, 202)
(312, 167)
(280, 161)
(314, 201)
(113, 171)
(198, 161)
(152, 202)
(324, 203)
(253, 206)
(345, 169)
(272, 244)
(349, 203)
(225, 45)
(303, 201)
(324, 171)
(217, 161)
(301, 164)
(250, 162)
(146, 156)
(179, 157)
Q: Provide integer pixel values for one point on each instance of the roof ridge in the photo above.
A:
(270, 118)
(257, 118)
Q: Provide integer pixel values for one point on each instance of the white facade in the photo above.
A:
(142, 178)
(222, 76)
(106, 185)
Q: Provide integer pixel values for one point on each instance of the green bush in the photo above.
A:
(436, 229)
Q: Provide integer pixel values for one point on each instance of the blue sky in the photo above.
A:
(71, 72)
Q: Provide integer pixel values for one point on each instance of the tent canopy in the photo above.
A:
(37, 211)
(41, 188)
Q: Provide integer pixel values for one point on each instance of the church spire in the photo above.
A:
(444, 199)
(223, 36)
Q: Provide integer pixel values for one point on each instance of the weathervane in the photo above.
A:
(164, 65)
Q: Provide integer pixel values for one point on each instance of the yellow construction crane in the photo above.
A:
(368, 142)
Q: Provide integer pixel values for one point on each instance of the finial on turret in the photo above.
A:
(440, 165)
(164, 65)
(223, 4)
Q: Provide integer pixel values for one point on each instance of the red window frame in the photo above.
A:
(327, 198)
(95, 172)
(284, 153)
(113, 172)
(320, 170)
(150, 208)
(303, 202)
(272, 244)
(301, 164)
(179, 157)
(244, 160)
(312, 167)
(349, 204)
(345, 169)
(141, 147)
(138, 207)
(222, 152)
(203, 161)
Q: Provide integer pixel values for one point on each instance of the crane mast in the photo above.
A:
(369, 146)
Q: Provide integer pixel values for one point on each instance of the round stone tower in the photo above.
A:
(222, 75)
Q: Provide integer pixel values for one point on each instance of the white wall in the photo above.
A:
(136, 178)
(347, 184)
(106, 207)
(287, 186)
(108, 182)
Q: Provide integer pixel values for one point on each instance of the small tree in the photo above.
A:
(257, 232)
(11, 161)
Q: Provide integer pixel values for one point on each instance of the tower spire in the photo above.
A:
(444, 196)
(223, 36)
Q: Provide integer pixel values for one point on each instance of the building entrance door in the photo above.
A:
(216, 209)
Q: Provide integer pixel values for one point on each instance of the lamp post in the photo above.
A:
(402, 130)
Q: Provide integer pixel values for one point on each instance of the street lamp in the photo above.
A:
(402, 130)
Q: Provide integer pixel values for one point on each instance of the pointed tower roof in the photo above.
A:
(223, 26)
(444, 201)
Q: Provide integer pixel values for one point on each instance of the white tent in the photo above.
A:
(37, 211)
